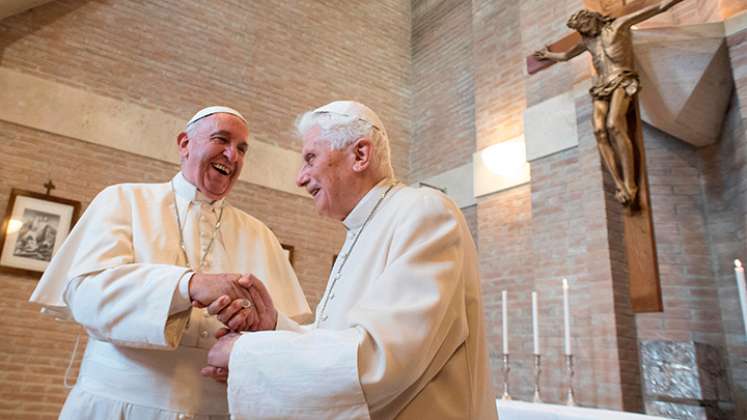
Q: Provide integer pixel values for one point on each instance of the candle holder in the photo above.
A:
(570, 398)
(506, 370)
(537, 369)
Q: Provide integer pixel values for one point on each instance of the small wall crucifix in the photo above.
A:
(49, 186)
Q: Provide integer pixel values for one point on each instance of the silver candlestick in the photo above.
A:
(506, 369)
(537, 369)
(570, 398)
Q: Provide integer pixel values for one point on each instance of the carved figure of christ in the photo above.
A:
(617, 130)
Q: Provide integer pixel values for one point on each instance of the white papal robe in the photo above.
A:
(398, 335)
(122, 275)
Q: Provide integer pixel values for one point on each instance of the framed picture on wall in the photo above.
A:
(288, 251)
(34, 227)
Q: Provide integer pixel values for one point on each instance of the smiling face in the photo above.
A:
(212, 153)
(324, 175)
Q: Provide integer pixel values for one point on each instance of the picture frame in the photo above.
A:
(33, 229)
(288, 251)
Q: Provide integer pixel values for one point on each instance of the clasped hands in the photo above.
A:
(241, 302)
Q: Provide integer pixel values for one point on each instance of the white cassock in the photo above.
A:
(122, 275)
(399, 334)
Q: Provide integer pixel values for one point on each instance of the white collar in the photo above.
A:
(360, 212)
(189, 192)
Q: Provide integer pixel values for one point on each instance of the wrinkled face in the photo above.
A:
(323, 174)
(213, 153)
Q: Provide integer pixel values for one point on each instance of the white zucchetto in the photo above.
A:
(204, 112)
(355, 110)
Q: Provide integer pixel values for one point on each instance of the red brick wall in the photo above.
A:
(532, 236)
(725, 182)
(499, 75)
(470, 215)
(690, 295)
(504, 226)
(262, 60)
(458, 85)
(271, 60)
(443, 91)
(689, 232)
(36, 351)
(723, 179)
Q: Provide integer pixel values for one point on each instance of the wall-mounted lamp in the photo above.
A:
(500, 166)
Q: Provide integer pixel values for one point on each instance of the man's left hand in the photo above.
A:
(219, 356)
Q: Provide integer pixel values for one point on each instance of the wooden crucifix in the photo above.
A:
(617, 129)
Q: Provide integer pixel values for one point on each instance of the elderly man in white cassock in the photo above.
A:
(141, 262)
(399, 330)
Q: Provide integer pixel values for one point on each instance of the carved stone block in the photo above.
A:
(683, 380)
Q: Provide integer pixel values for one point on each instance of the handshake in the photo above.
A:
(241, 302)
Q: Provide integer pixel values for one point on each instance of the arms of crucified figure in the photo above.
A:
(546, 54)
(645, 13)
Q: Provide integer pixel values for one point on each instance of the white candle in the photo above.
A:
(504, 298)
(567, 318)
(739, 272)
(535, 324)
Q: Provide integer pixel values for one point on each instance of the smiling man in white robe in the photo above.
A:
(140, 260)
(399, 330)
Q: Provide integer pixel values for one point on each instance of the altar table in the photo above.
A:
(520, 410)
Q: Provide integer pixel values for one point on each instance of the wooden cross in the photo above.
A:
(619, 8)
(640, 244)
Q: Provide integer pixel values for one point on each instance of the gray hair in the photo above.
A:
(341, 130)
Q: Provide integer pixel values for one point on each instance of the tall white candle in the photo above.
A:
(739, 272)
(504, 298)
(535, 324)
(567, 318)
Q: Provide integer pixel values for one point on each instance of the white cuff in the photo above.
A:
(181, 300)
(282, 374)
(286, 324)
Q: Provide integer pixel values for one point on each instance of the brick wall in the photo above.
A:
(503, 221)
(443, 91)
(533, 236)
(36, 351)
(689, 233)
(456, 87)
(470, 215)
(271, 60)
(688, 286)
(723, 181)
(499, 75)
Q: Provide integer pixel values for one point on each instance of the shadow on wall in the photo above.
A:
(16, 27)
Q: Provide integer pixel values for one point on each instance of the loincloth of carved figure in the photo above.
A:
(627, 79)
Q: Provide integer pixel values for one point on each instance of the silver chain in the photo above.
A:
(350, 249)
(183, 246)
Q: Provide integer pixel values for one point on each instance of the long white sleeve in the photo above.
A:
(131, 305)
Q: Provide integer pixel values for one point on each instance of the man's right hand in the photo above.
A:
(204, 289)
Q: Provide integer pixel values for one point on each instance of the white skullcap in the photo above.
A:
(355, 110)
(204, 112)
